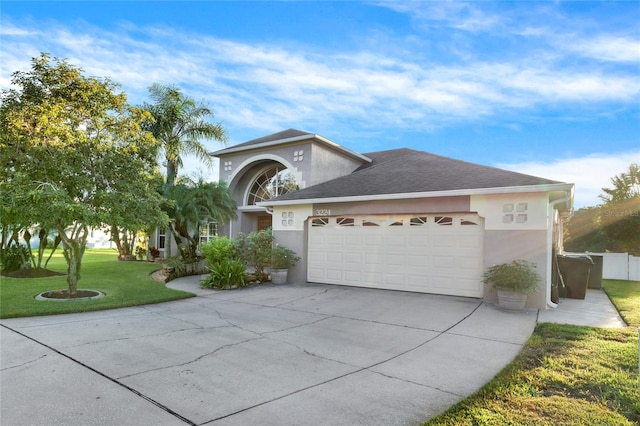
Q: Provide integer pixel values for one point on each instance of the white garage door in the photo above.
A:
(424, 253)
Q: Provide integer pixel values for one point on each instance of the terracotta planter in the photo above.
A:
(279, 276)
(512, 300)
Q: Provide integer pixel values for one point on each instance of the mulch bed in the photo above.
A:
(31, 273)
(64, 294)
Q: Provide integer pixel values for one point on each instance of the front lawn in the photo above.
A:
(124, 283)
(625, 295)
(565, 374)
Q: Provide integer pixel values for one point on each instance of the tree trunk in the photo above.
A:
(56, 243)
(42, 235)
(27, 239)
(124, 243)
(73, 253)
(74, 246)
(172, 173)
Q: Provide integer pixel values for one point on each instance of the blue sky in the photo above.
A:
(545, 88)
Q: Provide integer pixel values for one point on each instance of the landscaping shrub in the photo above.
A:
(14, 257)
(255, 251)
(226, 274)
(219, 249)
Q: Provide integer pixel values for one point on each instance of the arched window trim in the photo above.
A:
(257, 194)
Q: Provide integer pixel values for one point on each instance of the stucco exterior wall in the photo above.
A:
(308, 161)
(328, 164)
(515, 228)
(459, 204)
(234, 166)
(290, 230)
(296, 241)
(503, 246)
(515, 211)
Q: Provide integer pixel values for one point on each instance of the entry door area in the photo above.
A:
(264, 222)
(439, 254)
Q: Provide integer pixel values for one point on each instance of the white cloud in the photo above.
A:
(607, 48)
(590, 173)
(455, 14)
(267, 87)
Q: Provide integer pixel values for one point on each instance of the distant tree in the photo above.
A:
(74, 156)
(620, 215)
(180, 126)
(613, 226)
(626, 186)
(583, 232)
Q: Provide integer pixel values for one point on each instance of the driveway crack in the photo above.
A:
(191, 361)
(24, 363)
(326, 290)
(111, 379)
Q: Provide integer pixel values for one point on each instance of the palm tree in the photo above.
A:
(626, 186)
(194, 204)
(180, 126)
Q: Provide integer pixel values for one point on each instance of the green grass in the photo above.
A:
(565, 374)
(625, 295)
(124, 284)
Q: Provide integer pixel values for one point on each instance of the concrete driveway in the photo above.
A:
(272, 355)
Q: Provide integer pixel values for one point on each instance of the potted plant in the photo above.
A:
(514, 281)
(154, 253)
(282, 259)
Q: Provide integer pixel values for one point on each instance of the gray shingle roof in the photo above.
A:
(284, 134)
(405, 170)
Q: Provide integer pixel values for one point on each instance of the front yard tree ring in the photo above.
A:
(64, 296)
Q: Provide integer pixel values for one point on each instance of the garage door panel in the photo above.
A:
(394, 279)
(334, 242)
(372, 259)
(416, 241)
(418, 255)
(392, 260)
(442, 241)
(353, 241)
(353, 276)
(469, 241)
(353, 257)
(394, 242)
(334, 257)
(468, 263)
(414, 259)
(374, 240)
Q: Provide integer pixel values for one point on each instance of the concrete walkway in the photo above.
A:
(595, 310)
(269, 355)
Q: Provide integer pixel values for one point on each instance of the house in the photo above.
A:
(399, 219)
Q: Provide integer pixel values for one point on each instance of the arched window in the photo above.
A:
(271, 183)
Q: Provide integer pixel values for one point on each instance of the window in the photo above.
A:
(515, 212)
(320, 221)
(271, 183)
(418, 221)
(444, 220)
(208, 231)
(161, 238)
(345, 221)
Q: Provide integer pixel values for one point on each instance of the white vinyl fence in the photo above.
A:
(617, 266)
